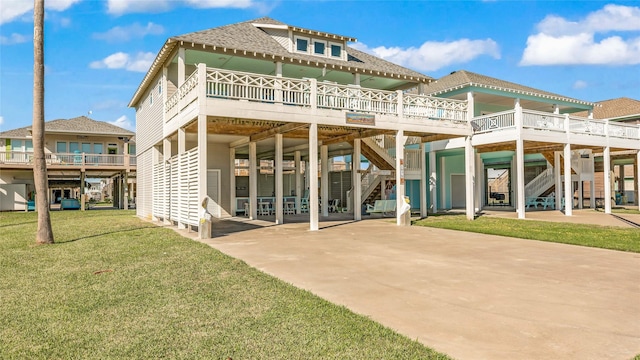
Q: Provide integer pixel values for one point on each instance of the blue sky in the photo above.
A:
(97, 51)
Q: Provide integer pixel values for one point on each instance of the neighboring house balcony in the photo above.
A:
(539, 126)
(233, 94)
(70, 161)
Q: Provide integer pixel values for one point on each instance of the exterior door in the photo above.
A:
(458, 191)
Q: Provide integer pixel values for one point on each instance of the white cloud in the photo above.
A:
(564, 42)
(126, 33)
(580, 84)
(1, 120)
(124, 123)
(11, 9)
(119, 7)
(14, 39)
(433, 55)
(139, 63)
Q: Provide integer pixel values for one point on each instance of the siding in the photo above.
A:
(281, 36)
(149, 119)
(145, 184)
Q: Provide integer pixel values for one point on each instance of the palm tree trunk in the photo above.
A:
(45, 233)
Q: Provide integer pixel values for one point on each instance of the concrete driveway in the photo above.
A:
(468, 295)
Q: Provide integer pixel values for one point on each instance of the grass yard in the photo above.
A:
(114, 286)
(614, 238)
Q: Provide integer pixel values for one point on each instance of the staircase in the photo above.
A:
(542, 183)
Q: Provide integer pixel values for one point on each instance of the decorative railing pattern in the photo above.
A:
(587, 126)
(411, 159)
(626, 131)
(434, 108)
(495, 121)
(185, 95)
(355, 98)
(77, 159)
(542, 120)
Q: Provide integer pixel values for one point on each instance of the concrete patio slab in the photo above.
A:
(471, 296)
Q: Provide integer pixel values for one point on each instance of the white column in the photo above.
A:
(557, 176)
(279, 182)
(433, 176)
(253, 182)
(520, 201)
(298, 176)
(232, 180)
(181, 66)
(607, 179)
(424, 182)
(356, 79)
(324, 179)
(479, 198)
(469, 178)
(312, 174)
(568, 185)
(400, 185)
(357, 180)
(181, 149)
(204, 228)
(580, 200)
(637, 179)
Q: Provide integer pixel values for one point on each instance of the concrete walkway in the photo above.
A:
(468, 295)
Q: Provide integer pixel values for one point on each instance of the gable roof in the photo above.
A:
(622, 107)
(77, 125)
(248, 38)
(462, 78)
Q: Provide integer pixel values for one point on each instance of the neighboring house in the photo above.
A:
(221, 103)
(76, 150)
(625, 166)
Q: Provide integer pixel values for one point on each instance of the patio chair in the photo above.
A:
(333, 205)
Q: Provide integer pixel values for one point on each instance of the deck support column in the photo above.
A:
(253, 182)
(520, 201)
(324, 178)
(125, 190)
(636, 183)
(469, 178)
(232, 181)
(312, 174)
(558, 178)
(278, 177)
(400, 185)
(479, 199)
(82, 198)
(433, 176)
(580, 189)
(424, 182)
(357, 180)
(298, 175)
(607, 179)
(568, 184)
(204, 221)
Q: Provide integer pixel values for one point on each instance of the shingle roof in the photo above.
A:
(462, 78)
(78, 125)
(244, 36)
(615, 108)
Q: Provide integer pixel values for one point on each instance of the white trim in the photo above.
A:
(313, 47)
(295, 44)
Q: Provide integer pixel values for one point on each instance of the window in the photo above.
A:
(61, 147)
(73, 147)
(318, 47)
(28, 146)
(97, 148)
(16, 145)
(302, 45)
(86, 148)
(336, 50)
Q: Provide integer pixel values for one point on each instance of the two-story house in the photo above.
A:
(225, 101)
(76, 150)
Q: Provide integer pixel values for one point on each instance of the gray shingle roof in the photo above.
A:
(462, 78)
(78, 125)
(244, 36)
(615, 108)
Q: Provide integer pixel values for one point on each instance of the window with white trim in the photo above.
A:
(319, 47)
(301, 44)
(335, 50)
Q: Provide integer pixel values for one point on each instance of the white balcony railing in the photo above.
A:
(77, 159)
(495, 121)
(309, 93)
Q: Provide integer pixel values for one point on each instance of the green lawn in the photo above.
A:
(614, 238)
(114, 286)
